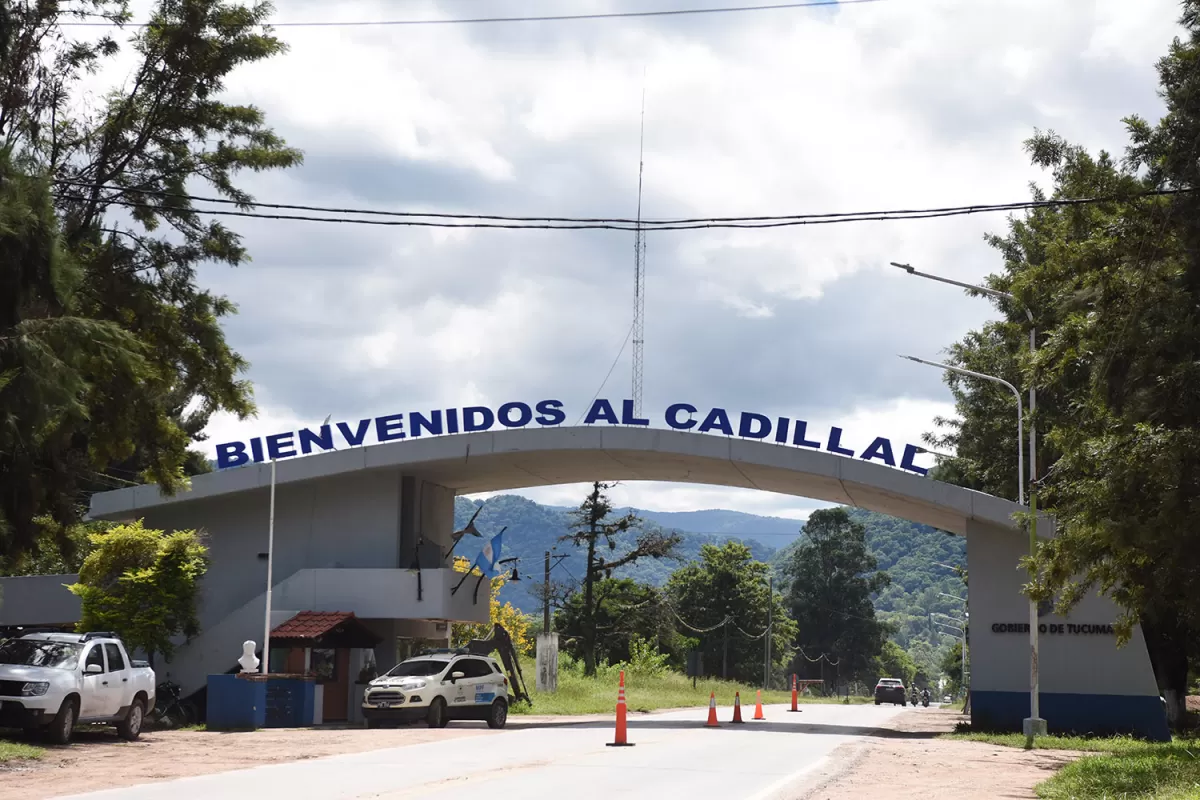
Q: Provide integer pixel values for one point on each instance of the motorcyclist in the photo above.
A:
(914, 696)
(925, 696)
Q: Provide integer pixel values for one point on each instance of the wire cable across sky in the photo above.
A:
(116, 196)
(674, 12)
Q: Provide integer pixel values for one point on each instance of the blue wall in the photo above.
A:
(236, 703)
(1100, 714)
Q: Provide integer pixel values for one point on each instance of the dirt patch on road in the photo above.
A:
(907, 762)
(99, 760)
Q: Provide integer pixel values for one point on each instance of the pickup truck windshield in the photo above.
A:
(422, 668)
(32, 653)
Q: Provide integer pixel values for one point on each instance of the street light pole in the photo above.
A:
(1020, 418)
(770, 621)
(1035, 724)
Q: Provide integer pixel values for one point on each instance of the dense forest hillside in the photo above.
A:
(919, 559)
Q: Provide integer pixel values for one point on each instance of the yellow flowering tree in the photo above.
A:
(504, 614)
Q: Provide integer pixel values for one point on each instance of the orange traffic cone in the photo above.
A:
(712, 711)
(795, 698)
(737, 708)
(758, 714)
(620, 738)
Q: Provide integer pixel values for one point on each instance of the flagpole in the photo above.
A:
(270, 557)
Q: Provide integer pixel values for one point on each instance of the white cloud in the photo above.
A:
(888, 105)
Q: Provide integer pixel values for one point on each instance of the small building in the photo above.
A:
(361, 573)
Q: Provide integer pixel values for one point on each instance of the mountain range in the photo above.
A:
(919, 559)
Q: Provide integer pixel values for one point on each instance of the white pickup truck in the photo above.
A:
(51, 681)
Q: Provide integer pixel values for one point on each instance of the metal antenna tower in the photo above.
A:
(639, 274)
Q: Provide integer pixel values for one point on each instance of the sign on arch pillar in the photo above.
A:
(1087, 683)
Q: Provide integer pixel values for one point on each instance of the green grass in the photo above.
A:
(1125, 768)
(16, 751)
(579, 695)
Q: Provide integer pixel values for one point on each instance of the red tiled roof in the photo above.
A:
(311, 624)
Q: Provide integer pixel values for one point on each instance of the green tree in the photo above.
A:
(727, 583)
(112, 356)
(893, 662)
(952, 667)
(624, 611)
(1115, 290)
(594, 528)
(142, 584)
(833, 577)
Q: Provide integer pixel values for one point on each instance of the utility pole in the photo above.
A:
(546, 598)
(639, 272)
(770, 622)
(725, 651)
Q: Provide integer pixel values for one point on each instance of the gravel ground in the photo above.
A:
(908, 763)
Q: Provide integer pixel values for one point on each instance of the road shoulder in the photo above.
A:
(907, 762)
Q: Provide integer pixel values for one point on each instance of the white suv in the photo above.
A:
(437, 687)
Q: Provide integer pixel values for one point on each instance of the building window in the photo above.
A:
(324, 664)
(278, 661)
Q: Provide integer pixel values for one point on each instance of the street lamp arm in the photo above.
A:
(971, 373)
(1020, 420)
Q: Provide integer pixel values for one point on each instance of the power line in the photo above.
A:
(677, 12)
(834, 215)
(438, 220)
(609, 375)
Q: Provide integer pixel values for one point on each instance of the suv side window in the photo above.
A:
(95, 656)
(115, 662)
(473, 668)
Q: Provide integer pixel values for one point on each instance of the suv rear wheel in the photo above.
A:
(497, 714)
(130, 728)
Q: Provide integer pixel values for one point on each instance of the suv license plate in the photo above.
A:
(384, 705)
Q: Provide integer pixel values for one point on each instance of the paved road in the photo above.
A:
(674, 756)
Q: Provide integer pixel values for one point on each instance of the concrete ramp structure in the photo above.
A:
(345, 518)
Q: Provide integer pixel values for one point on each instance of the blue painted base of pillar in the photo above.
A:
(1098, 714)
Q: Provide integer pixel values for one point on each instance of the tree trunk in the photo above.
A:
(1166, 641)
(589, 622)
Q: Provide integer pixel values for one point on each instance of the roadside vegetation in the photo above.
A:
(648, 687)
(18, 751)
(1122, 767)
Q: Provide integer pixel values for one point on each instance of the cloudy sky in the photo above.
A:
(890, 104)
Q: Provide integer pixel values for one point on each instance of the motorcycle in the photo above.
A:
(925, 699)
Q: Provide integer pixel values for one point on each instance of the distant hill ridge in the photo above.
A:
(912, 554)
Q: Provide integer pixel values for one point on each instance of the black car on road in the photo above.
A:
(890, 690)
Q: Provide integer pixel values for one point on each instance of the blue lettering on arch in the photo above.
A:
(910, 452)
(418, 422)
(486, 418)
(323, 440)
(231, 454)
(717, 419)
(355, 438)
(746, 426)
(601, 410)
(881, 448)
(276, 444)
(550, 413)
(673, 416)
(524, 415)
(835, 443)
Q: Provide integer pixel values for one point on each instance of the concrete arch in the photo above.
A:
(403, 491)
(519, 459)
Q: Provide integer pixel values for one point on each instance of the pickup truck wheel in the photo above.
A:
(497, 714)
(436, 718)
(59, 730)
(130, 728)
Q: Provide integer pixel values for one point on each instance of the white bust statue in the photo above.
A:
(249, 661)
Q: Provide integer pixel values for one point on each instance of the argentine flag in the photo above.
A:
(487, 558)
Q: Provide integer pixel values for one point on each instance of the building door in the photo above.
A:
(332, 668)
